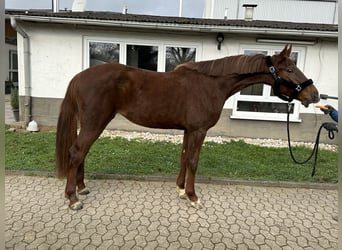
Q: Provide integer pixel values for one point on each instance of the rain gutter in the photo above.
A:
(27, 69)
(180, 27)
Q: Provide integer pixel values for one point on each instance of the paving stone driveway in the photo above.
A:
(148, 215)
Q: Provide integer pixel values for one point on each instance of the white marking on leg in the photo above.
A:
(76, 206)
(181, 192)
(196, 204)
(84, 191)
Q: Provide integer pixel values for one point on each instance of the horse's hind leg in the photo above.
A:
(76, 158)
(76, 171)
(81, 188)
(89, 132)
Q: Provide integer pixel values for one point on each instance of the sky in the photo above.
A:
(191, 8)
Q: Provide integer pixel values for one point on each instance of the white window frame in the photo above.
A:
(266, 97)
(162, 44)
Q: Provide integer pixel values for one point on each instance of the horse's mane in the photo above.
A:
(240, 64)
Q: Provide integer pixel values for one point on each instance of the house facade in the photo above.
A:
(54, 46)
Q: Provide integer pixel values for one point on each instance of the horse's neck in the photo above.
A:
(235, 83)
(245, 71)
(233, 73)
(240, 64)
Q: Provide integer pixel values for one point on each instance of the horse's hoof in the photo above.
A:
(76, 206)
(84, 191)
(181, 193)
(196, 204)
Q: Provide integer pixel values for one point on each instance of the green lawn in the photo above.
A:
(234, 160)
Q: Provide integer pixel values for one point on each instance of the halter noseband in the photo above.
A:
(297, 88)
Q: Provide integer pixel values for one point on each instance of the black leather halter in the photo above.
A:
(296, 88)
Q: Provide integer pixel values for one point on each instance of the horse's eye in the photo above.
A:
(290, 70)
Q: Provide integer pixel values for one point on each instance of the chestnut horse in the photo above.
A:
(189, 98)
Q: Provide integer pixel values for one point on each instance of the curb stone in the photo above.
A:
(207, 180)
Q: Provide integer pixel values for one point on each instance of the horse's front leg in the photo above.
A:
(194, 144)
(180, 183)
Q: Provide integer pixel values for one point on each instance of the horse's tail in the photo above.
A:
(66, 130)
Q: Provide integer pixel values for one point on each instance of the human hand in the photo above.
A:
(327, 109)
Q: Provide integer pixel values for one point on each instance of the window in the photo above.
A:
(160, 56)
(142, 56)
(258, 102)
(103, 52)
(13, 67)
(178, 55)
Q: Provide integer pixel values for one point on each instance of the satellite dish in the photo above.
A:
(79, 5)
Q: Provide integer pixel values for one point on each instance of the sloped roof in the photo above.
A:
(172, 20)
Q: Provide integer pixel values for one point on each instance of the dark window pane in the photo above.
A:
(14, 61)
(144, 57)
(266, 107)
(10, 60)
(14, 77)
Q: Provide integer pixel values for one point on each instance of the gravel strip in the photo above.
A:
(178, 139)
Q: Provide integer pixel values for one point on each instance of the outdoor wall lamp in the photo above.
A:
(219, 39)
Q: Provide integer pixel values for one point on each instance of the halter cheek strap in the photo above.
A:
(296, 88)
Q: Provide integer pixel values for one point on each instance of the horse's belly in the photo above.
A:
(154, 120)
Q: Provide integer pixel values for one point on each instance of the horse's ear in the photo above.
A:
(289, 50)
(286, 52)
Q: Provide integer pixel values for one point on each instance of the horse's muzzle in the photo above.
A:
(313, 98)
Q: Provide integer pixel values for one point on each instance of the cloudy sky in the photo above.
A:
(191, 8)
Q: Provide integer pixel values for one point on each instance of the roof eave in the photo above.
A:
(178, 27)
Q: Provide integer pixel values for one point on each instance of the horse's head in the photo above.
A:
(289, 81)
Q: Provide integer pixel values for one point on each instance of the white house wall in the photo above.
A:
(280, 10)
(55, 58)
(292, 10)
(321, 65)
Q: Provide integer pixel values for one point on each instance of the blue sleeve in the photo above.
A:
(334, 115)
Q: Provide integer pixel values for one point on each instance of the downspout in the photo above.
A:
(27, 70)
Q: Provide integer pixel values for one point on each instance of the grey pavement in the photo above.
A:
(122, 214)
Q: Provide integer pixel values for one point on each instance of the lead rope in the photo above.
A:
(331, 127)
